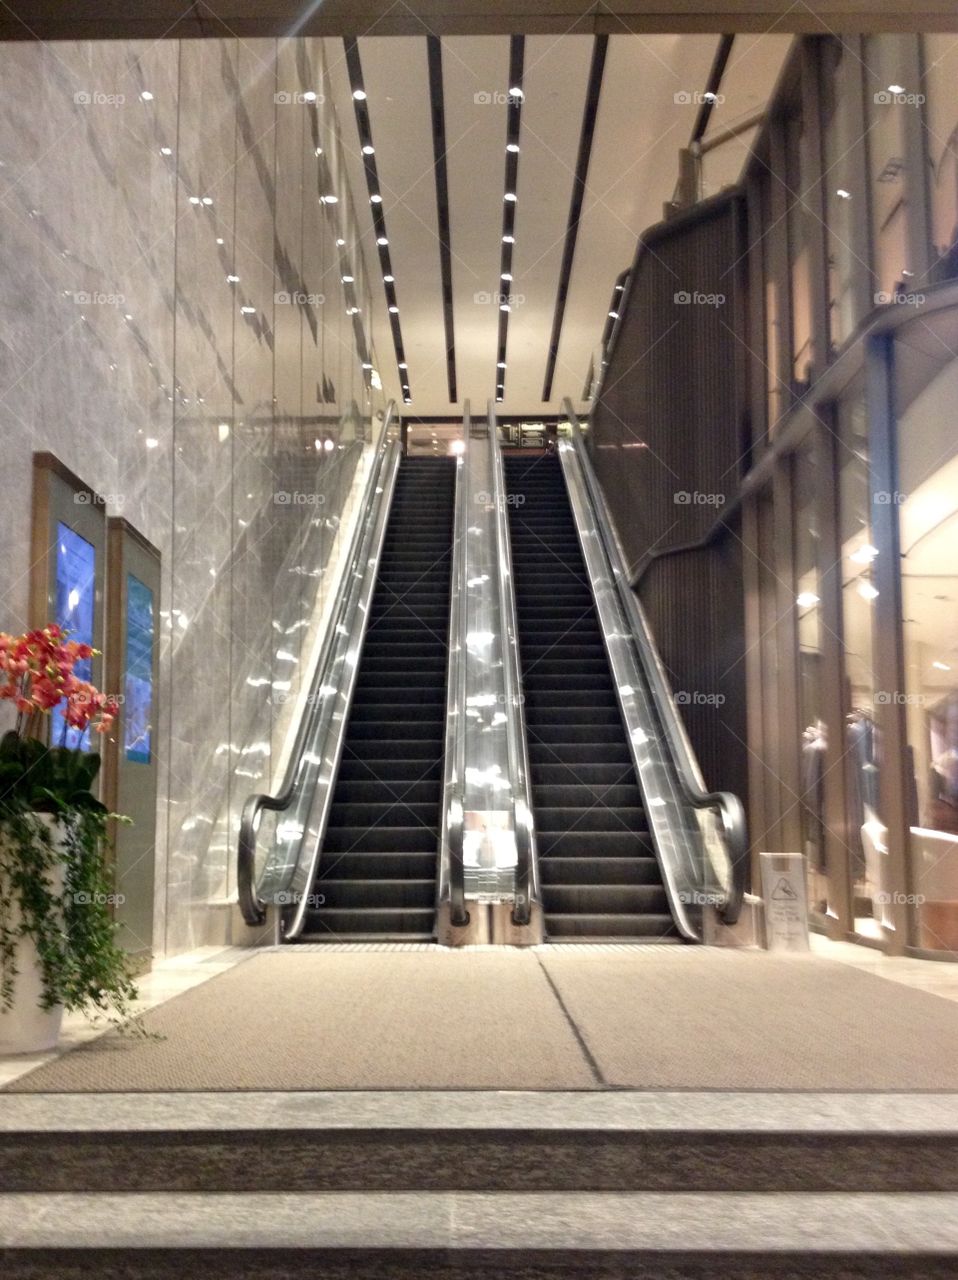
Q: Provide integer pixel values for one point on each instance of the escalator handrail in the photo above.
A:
(686, 767)
(251, 905)
(527, 860)
(452, 875)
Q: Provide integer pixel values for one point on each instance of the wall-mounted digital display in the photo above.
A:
(138, 705)
(75, 597)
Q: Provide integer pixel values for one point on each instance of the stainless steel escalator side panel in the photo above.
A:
(704, 870)
(288, 869)
(675, 833)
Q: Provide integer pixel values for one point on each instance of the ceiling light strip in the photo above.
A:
(517, 47)
(367, 153)
(589, 113)
(437, 104)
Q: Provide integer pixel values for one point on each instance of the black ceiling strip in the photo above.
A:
(437, 103)
(517, 50)
(354, 68)
(594, 88)
(719, 63)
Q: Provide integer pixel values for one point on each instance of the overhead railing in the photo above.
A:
(527, 863)
(281, 835)
(699, 835)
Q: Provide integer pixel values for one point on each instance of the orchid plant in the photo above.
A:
(82, 966)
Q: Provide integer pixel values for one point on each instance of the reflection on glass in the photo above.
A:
(886, 102)
(928, 516)
(843, 201)
(138, 683)
(865, 832)
(798, 256)
(807, 483)
(941, 117)
(75, 596)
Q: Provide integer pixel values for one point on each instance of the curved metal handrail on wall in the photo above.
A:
(306, 793)
(527, 861)
(686, 875)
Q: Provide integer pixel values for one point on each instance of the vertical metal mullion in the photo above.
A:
(778, 263)
(863, 279)
(840, 921)
(754, 696)
(916, 148)
(887, 623)
(812, 197)
(789, 717)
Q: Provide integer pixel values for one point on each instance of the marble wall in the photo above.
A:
(174, 327)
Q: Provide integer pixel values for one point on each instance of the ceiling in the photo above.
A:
(642, 109)
(99, 19)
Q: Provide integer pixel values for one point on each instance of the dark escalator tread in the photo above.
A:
(377, 874)
(600, 877)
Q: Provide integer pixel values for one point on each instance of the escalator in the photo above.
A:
(376, 877)
(600, 877)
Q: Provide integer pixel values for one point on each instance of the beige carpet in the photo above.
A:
(648, 1018)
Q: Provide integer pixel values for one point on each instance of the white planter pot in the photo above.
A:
(26, 1027)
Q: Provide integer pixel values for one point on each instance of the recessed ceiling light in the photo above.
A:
(359, 95)
(248, 311)
(501, 364)
(867, 591)
(805, 599)
(843, 194)
(166, 151)
(513, 147)
(376, 198)
(319, 151)
(207, 200)
(347, 279)
(381, 240)
(329, 199)
(352, 311)
(220, 240)
(403, 365)
(394, 310)
(232, 279)
(146, 95)
(613, 315)
(505, 276)
(508, 239)
(896, 88)
(340, 242)
(368, 150)
(516, 92)
(619, 288)
(505, 307)
(388, 279)
(510, 196)
(194, 200)
(366, 364)
(309, 96)
(407, 400)
(941, 666)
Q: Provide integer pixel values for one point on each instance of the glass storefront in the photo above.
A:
(865, 834)
(940, 58)
(844, 200)
(888, 97)
(928, 522)
(806, 542)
